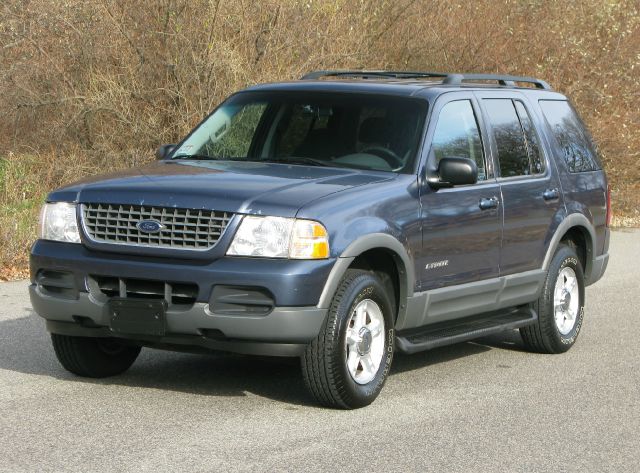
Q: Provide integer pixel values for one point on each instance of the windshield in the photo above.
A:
(360, 131)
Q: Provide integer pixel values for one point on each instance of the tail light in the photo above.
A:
(609, 214)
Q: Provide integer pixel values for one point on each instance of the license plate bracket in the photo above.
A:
(137, 316)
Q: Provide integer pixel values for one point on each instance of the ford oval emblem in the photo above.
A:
(149, 226)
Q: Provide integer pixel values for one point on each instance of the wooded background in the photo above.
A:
(87, 86)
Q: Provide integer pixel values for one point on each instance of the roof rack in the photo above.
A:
(447, 78)
(373, 74)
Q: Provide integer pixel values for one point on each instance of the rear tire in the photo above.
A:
(347, 364)
(93, 357)
(560, 307)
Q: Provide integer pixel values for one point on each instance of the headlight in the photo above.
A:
(278, 237)
(58, 222)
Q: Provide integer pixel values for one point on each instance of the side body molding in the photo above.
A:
(365, 243)
(463, 300)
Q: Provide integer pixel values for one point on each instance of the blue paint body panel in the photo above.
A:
(443, 234)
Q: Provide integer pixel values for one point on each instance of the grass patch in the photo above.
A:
(22, 191)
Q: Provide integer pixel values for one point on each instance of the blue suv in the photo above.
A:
(340, 218)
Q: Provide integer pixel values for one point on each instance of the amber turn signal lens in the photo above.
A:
(309, 240)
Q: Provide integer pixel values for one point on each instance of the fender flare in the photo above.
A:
(359, 246)
(569, 222)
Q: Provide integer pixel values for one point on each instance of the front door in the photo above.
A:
(462, 225)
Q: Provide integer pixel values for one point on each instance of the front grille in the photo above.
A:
(187, 229)
(174, 293)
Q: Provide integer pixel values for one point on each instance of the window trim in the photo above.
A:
(526, 138)
(494, 145)
(427, 165)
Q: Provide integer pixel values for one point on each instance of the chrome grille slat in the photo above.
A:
(188, 229)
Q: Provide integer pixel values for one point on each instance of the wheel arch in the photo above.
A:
(578, 229)
(363, 252)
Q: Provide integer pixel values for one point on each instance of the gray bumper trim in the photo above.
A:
(282, 325)
(188, 343)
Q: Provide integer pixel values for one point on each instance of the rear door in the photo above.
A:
(462, 225)
(529, 185)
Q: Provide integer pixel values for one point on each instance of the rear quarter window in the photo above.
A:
(571, 135)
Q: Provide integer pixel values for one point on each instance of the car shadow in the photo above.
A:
(510, 340)
(25, 348)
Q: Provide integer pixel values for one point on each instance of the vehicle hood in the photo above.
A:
(241, 187)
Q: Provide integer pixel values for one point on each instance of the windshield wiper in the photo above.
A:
(304, 160)
(285, 160)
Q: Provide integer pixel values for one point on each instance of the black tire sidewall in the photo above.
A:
(365, 286)
(565, 257)
(87, 357)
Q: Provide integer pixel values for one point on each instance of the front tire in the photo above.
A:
(560, 307)
(347, 364)
(93, 357)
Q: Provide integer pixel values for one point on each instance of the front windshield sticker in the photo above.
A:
(186, 149)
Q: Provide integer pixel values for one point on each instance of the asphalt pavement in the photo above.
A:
(482, 406)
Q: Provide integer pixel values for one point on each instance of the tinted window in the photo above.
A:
(536, 159)
(294, 129)
(507, 131)
(457, 135)
(361, 131)
(572, 137)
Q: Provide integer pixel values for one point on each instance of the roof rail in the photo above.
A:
(373, 74)
(504, 80)
(447, 78)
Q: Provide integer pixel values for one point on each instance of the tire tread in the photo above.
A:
(319, 369)
(539, 336)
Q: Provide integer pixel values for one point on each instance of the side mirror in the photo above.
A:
(454, 171)
(164, 150)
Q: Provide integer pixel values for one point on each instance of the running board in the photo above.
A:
(462, 330)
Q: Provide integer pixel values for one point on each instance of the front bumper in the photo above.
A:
(293, 283)
(74, 308)
(283, 332)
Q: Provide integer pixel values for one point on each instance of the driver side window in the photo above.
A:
(457, 135)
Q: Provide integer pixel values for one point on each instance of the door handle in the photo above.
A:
(551, 194)
(491, 203)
